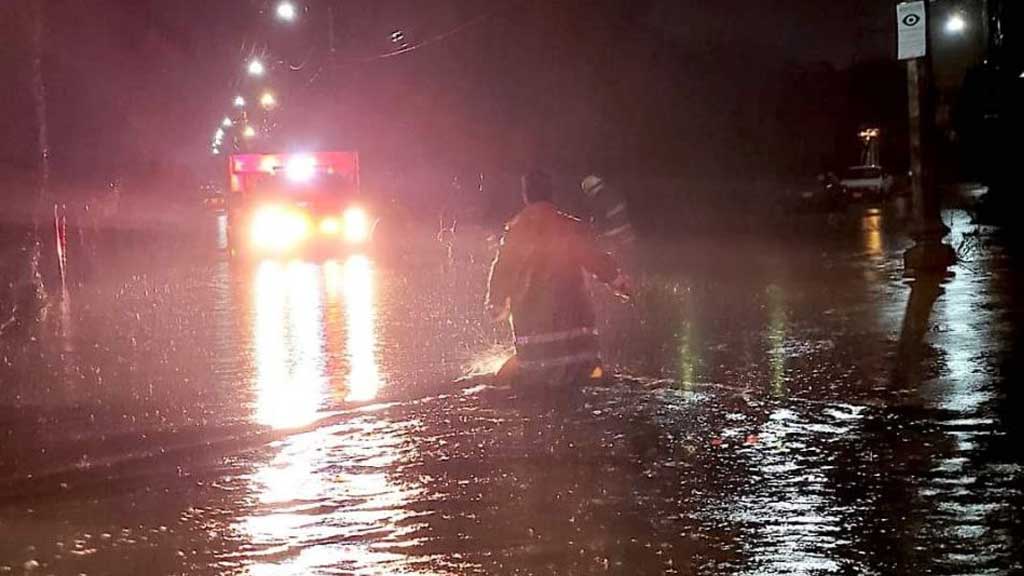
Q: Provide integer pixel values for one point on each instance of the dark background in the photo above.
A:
(706, 93)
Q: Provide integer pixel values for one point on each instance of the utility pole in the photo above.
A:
(39, 97)
(986, 28)
(929, 254)
(993, 17)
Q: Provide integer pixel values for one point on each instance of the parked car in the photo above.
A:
(866, 183)
(824, 195)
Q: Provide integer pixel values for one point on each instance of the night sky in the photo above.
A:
(143, 83)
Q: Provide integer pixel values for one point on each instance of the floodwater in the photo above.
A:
(784, 404)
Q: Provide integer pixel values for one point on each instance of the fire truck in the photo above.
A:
(304, 205)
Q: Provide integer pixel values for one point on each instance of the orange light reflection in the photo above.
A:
(871, 226)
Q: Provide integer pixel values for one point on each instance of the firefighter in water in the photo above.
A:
(538, 277)
(609, 215)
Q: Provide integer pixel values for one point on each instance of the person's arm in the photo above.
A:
(599, 263)
(504, 274)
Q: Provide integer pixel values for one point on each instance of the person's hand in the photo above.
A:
(622, 286)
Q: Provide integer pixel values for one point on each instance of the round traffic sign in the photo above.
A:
(911, 20)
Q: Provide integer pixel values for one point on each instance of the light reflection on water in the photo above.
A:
(327, 500)
(871, 229)
(288, 318)
(364, 379)
(294, 335)
(961, 394)
(776, 339)
(795, 520)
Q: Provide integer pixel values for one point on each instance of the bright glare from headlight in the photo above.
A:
(278, 229)
(330, 226)
(357, 225)
(300, 168)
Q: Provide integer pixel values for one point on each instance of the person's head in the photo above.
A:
(536, 187)
(592, 185)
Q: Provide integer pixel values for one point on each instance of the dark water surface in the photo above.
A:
(785, 404)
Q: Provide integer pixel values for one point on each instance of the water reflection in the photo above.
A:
(330, 502)
(923, 294)
(689, 356)
(222, 232)
(327, 500)
(871, 230)
(296, 335)
(948, 330)
(364, 379)
(959, 395)
(775, 335)
(796, 521)
(690, 348)
(290, 378)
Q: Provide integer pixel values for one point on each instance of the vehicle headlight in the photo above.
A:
(356, 225)
(279, 229)
(330, 226)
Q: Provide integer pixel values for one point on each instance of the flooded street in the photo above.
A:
(782, 405)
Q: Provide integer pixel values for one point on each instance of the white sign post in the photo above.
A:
(929, 255)
(912, 26)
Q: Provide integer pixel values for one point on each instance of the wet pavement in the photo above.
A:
(785, 403)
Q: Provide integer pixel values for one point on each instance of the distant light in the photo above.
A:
(256, 68)
(1022, 74)
(268, 101)
(286, 11)
(869, 133)
(239, 101)
(218, 134)
(249, 132)
(300, 168)
(956, 24)
(215, 151)
(227, 123)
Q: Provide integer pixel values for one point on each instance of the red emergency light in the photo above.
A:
(335, 162)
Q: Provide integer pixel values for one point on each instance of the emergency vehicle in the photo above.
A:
(296, 205)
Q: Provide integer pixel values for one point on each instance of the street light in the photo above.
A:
(226, 122)
(268, 101)
(286, 11)
(249, 132)
(956, 25)
(239, 102)
(256, 68)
